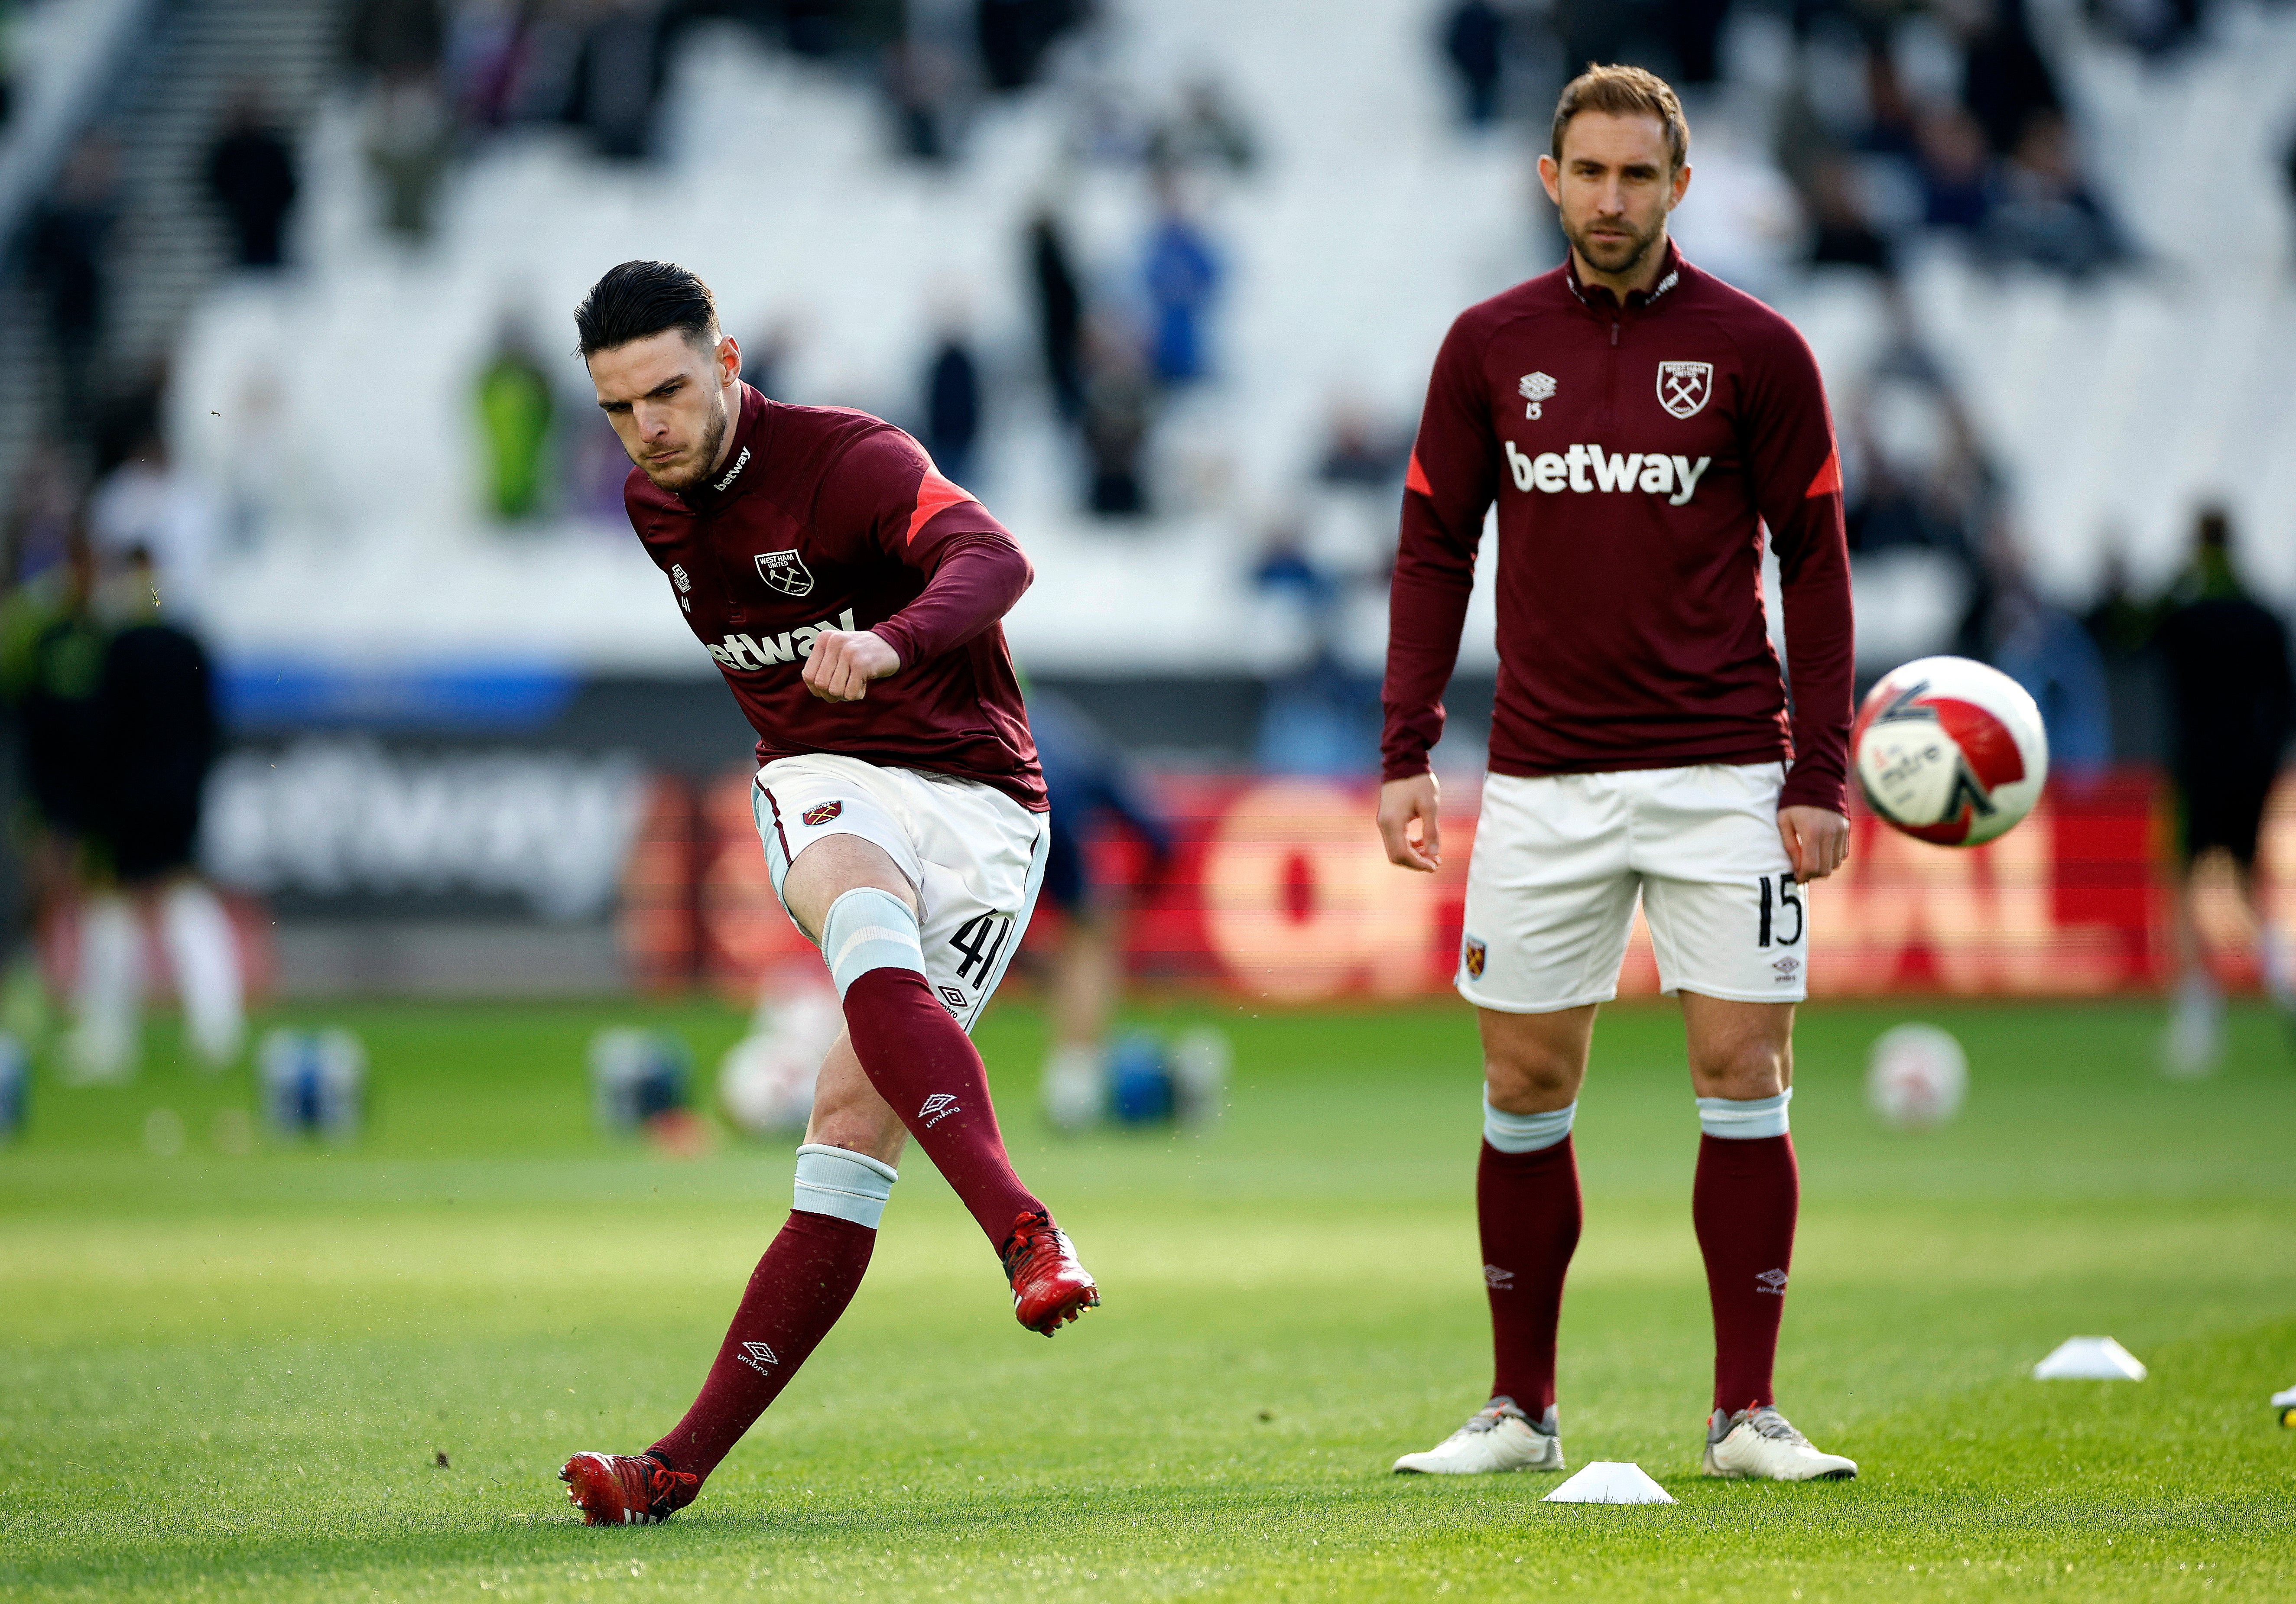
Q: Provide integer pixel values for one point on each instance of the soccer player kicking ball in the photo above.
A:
(850, 596)
(1637, 423)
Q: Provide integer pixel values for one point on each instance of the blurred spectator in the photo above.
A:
(1693, 32)
(395, 39)
(922, 81)
(1181, 275)
(2006, 79)
(150, 514)
(2230, 699)
(952, 406)
(1207, 131)
(65, 248)
(409, 137)
(516, 408)
(618, 78)
(1060, 313)
(2047, 214)
(1117, 405)
(156, 738)
(1474, 39)
(1092, 789)
(2045, 650)
(1357, 453)
(252, 174)
(1844, 236)
(1957, 175)
(1320, 717)
(765, 362)
(43, 515)
(1014, 35)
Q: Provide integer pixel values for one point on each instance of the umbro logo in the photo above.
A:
(1538, 389)
(1771, 1280)
(953, 998)
(1786, 967)
(758, 1357)
(1498, 1279)
(938, 1107)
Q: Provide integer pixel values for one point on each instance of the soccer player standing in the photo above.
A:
(851, 598)
(1637, 423)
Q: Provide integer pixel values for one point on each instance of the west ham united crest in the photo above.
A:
(786, 572)
(1683, 388)
(1473, 955)
(820, 813)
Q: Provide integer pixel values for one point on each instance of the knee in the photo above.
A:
(1530, 1079)
(1741, 1071)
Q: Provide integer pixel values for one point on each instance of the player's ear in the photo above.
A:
(1550, 178)
(1681, 185)
(729, 358)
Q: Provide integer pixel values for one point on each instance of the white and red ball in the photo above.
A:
(1949, 751)
(1915, 1077)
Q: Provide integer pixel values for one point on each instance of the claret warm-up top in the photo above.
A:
(1635, 453)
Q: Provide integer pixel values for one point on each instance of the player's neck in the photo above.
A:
(1637, 279)
(733, 428)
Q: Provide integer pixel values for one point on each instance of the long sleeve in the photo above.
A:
(1790, 452)
(976, 579)
(1446, 491)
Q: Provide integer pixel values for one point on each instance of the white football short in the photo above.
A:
(1559, 860)
(973, 855)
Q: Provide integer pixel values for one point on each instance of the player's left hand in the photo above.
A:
(844, 661)
(1817, 840)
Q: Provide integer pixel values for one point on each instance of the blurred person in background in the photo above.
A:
(1014, 35)
(515, 409)
(1181, 276)
(2046, 213)
(409, 140)
(1120, 403)
(2230, 702)
(252, 174)
(394, 39)
(67, 241)
(617, 79)
(1058, 297)
(953, 403)
(1474, 42)
(2044, 649)
(1636, 423)
(151, 518)
(1091, 788)
(1207, 131)
(156, 737)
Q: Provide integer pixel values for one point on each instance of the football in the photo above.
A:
(1949, 751)
(1915, 1076)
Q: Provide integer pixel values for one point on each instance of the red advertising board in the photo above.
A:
(1278, 891)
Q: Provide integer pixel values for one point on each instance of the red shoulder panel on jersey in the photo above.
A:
(1828, 481)
(934, 494)
(1415, 478)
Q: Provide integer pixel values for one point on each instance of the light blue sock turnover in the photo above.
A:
(850, 1185)
(1526, 1133)
(1755, 1117)
(866, 929)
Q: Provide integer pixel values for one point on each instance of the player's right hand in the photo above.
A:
(843, 662)
(1401, 803)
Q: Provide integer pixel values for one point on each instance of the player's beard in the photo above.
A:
(705, 460)
(1615, 257)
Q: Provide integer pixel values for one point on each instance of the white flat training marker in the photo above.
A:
(2284, 1400)
(2089, 1359)
(1608, 1482)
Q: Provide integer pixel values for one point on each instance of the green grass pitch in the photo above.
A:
(228, 1375)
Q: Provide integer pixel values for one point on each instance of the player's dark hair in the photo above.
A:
(1625, 92)
(639, 299)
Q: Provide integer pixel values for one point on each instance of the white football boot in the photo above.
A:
(1762, 1444)
(1498, 1437)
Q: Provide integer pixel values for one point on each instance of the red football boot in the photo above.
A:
(1049, 1286)
(618, 1489)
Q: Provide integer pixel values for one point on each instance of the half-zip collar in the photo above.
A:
(1598, 299)
(740, 470)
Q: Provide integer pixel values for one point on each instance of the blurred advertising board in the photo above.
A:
(1278, 891)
